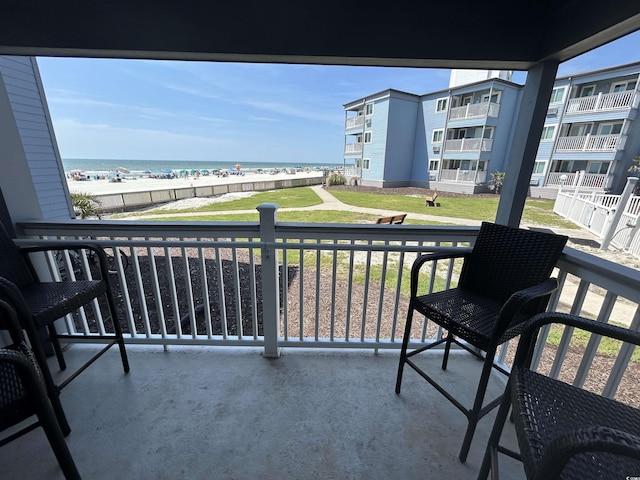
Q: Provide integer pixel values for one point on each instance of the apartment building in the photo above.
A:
(454, 139)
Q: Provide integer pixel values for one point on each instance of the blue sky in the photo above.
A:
(167, 110)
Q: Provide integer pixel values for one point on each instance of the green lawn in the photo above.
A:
(539, 212)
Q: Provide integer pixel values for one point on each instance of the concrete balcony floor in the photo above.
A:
(226, 413)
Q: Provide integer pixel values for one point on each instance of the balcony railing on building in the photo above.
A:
(576, 180)
(459, 175)
(354, 122)
(474, 110)
(602, 102)
(273, 285)
(353, 148)
(468, 145)
(591, 143)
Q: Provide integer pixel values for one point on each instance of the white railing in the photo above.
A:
(577, 179)
(591, 143)
(475, 110)
(351, 148)
(468, 145)
(601, 102)
(275, 285)
(354, 122)
(458, 175)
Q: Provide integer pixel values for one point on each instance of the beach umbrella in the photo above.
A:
(122, 170)
(182, 172)
(167, 170)
(193, 170)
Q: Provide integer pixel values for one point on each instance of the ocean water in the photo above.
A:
(135, 166)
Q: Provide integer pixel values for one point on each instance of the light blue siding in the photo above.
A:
(26, 97)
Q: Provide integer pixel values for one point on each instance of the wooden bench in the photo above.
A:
(430, 200)
(394, 219)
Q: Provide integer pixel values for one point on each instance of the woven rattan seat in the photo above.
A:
(23, 394)
(504, 281)
(565, 432)
(40, 304)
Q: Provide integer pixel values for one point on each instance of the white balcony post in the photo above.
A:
(617, 213)
(270, 280)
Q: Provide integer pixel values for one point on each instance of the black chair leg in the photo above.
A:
(57, 442)
(447, 349)
(474, 414)
(118, 331)
(403, 351)
(57, 348)
(489, 461)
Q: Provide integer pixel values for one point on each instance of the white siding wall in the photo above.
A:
(28, 104)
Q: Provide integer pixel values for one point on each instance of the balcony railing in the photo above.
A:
(354, 122)
(591, 143)
(475, 110)
(468, 145)
(273, 284)
(602, 102)
(353, 148)
(459, 175)
(577, 179)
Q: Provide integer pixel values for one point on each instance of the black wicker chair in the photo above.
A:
(505, 280)
(565, 432)
(23, 395)
(40, 304)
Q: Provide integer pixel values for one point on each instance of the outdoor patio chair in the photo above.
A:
(23, 395)
(504, 281)
(39, 304)
(563, 431)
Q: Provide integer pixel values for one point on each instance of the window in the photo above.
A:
(557, 95)
(433, 165)
(548, 131)
(495, 97)
(442, 104)
(368, 123)
(466, 100)
(369, 109)
(598, 167)
(366, 163)
(587, 90)
(623, 86)
(613, 128)
(488, 132)
(437, 136)
(357, 163)
(367, 137)
(538, 167)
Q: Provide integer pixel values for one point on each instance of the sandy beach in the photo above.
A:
(130, 184)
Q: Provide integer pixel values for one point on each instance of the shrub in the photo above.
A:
(495, 184)
(85, 205)
(336, 179)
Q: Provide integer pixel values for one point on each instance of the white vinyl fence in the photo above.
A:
(613, 218)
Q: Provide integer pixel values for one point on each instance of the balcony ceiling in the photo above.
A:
(497, 34)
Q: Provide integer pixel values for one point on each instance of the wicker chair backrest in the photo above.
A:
(13, 265)
(505, 260)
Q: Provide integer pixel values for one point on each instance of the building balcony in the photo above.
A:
(475, 110)
(603, 102)
(353, 148)
(458, 175)
(468, 145)
(591, 143)
(354, 122)
(329, 301)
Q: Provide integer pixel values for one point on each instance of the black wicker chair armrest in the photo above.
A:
(94, 247)
(593, 439)
(533, 325)
(456, 252)
(9, 320)
(521, 298)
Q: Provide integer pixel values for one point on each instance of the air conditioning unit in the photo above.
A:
(552, 111)
(436, 149)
